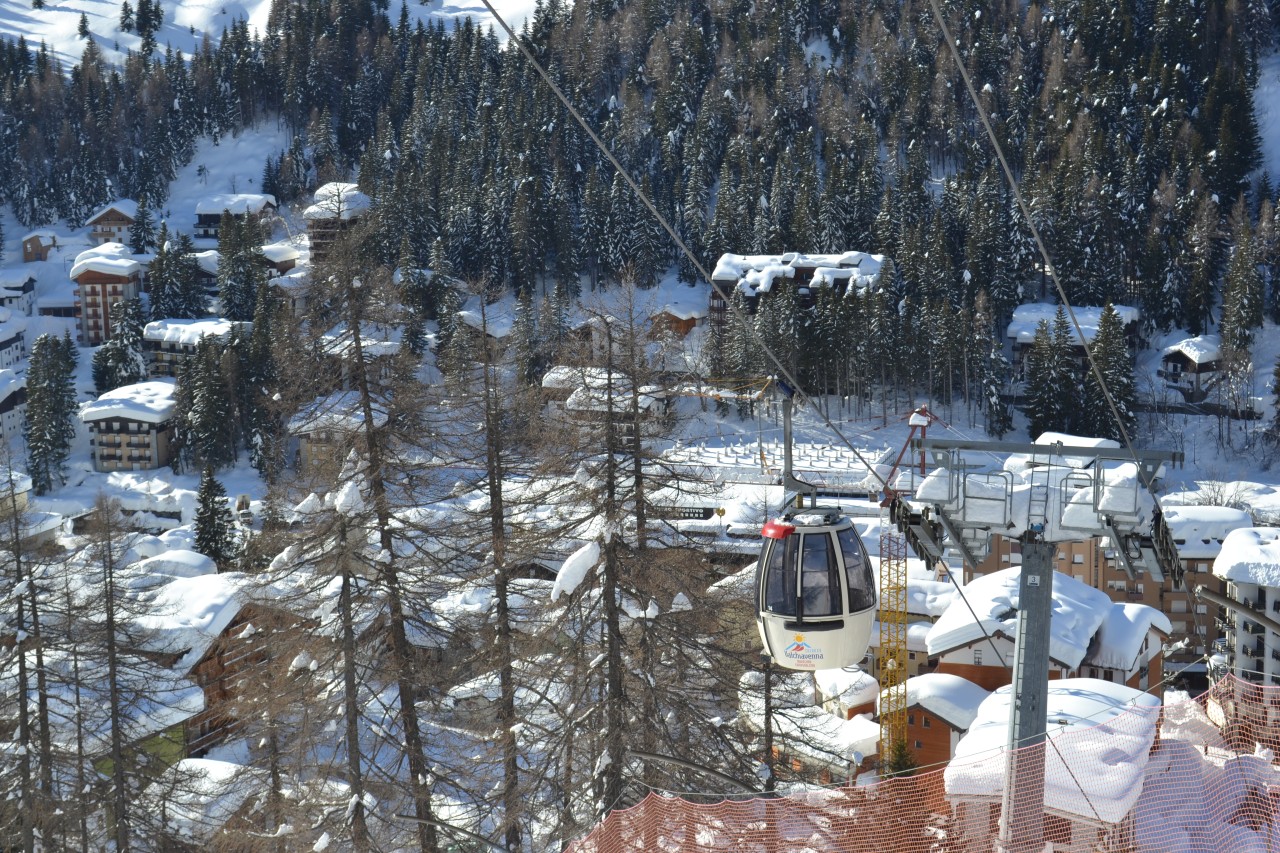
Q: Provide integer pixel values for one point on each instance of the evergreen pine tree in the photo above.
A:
(142, 236)
(126, 17)
(214, 525)
(1052, 386)
(1111, 355)
(51, 409)
(239, 271)
(83, 28)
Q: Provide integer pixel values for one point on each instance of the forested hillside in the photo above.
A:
(403, 633)
(813, 126)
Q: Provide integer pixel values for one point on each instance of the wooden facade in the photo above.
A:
(109, 226)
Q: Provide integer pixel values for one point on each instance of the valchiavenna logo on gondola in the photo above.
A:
(800, 650)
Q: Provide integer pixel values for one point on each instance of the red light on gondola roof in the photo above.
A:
(777, 529)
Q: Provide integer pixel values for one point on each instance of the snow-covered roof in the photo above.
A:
(1199, 350)
(188, 332)
(1118, 642)
(617, 399)
(278, 252)
(126, 206)
(1078, 611)
(917, 635)
(756, 273)
(10, 382)
(1027, 318)
(929, 597)
(338, 200)
(43, 235)
(1199, 531)
(851, 687)
(339, 411)
(150, 402)
(1102, 734)
(376, 340)
(108, 259)
(497, 320)
(187, 614)
(177, 563)
(950, 697)
(237, 204)
(208, 260)
(14, 278)
(1250, 555)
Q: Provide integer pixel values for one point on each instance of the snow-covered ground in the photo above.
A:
(186, 24)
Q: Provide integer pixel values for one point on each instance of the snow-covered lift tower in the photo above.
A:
(1060, 488)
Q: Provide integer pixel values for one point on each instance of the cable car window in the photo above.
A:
(819, 581)
(857, 570)
(780, 577)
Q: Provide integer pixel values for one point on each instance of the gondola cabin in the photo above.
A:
(815, 593)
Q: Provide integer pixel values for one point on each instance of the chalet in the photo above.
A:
(379, 346)
(13, 403)
(757, 275)
(59, 300)
(1192, 366)
(1102, 734)
(37, 245)
(337, 209)
(17, 291)
(329, 427)
(1129, 648)
(293, 289)
(486, 324)
(103, 276)
(974, 639)
(676, 319)
(279, 258)
(1021, 332)
(111, 224)
(168, 344)
(209, 210)
(207, 270)
(130, 428)
(846, 692)
(940, 709)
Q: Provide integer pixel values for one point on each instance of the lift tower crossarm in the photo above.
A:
(1148, 461)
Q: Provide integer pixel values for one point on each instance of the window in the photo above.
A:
(911, 719)
(977, 657)
(919, 745)
(926, 722)
(1077, 559)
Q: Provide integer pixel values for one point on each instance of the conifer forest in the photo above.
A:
(404, 656)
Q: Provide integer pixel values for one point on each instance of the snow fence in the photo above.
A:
(1192, 776)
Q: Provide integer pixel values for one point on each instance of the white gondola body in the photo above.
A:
(815, 592)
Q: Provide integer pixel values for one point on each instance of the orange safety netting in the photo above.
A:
(1189, 777)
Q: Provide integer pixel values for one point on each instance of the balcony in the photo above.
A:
(1252, 627)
